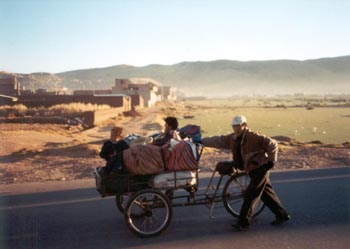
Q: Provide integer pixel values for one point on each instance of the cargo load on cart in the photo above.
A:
(146, 165)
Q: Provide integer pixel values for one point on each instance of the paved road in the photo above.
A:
(318, 200)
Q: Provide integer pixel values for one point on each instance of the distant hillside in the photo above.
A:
(35, 81)
(226, 78)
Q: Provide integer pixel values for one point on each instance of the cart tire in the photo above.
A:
(233, 194)
(154, 213)
(120, 201)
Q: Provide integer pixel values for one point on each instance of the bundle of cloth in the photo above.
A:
(146, 159)
(173, 164)
(178, 155)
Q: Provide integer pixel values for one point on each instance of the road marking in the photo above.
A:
(20, 236)
(312, 178)
(34, 205)
(53, 203)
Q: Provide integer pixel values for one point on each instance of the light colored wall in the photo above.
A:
(102, 115)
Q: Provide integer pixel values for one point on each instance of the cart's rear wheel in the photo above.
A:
(233, 195)
(154, 209)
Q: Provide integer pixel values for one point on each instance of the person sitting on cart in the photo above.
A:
(256, 154)
(112, 151)
(170, 126)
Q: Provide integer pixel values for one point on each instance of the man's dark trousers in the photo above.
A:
(259, 188)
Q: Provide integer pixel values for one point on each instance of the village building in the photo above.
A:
(9, 90)
(168, 93)
(125, 98)
(150, 90)
(130, 94)
(113, 100)
(136, 100)
(83, 92)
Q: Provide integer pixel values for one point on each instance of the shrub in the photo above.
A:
(22, 110)
(76, 107)
(16, 110)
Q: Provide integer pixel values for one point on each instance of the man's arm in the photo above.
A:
(272, 150)
(271, 147)
(220, 142)
(163, 139)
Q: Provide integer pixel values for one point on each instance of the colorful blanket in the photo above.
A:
(182, 158)
(144, 159)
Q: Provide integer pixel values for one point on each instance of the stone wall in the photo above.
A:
(102, 115)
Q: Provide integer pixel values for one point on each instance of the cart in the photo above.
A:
(147, 206)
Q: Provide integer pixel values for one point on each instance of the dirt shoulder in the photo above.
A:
(37, 154)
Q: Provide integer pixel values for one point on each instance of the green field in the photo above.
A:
(326, 124)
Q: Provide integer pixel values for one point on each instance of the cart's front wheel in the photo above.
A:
(155, 210)
(233, 195)
(120, 201)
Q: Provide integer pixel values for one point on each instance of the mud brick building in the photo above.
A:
(168, 93)
(128, 94)
(113, 100)
(9, 90)
(150, 90)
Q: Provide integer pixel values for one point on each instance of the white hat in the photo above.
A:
(238, 120)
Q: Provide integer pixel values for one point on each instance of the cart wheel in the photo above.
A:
(233, 194)
(155, 209)
(121, 200)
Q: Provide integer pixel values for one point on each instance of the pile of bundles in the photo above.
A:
(150, 159)
(181, 155)
(160, 166)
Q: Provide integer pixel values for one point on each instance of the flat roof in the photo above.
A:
(112, 95)
(8, 97)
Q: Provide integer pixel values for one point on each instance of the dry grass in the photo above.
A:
(21, 110)
(77, 107)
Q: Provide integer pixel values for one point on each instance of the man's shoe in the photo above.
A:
(280, 219)
(240, 227)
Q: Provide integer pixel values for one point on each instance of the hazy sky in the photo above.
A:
(62, 35)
